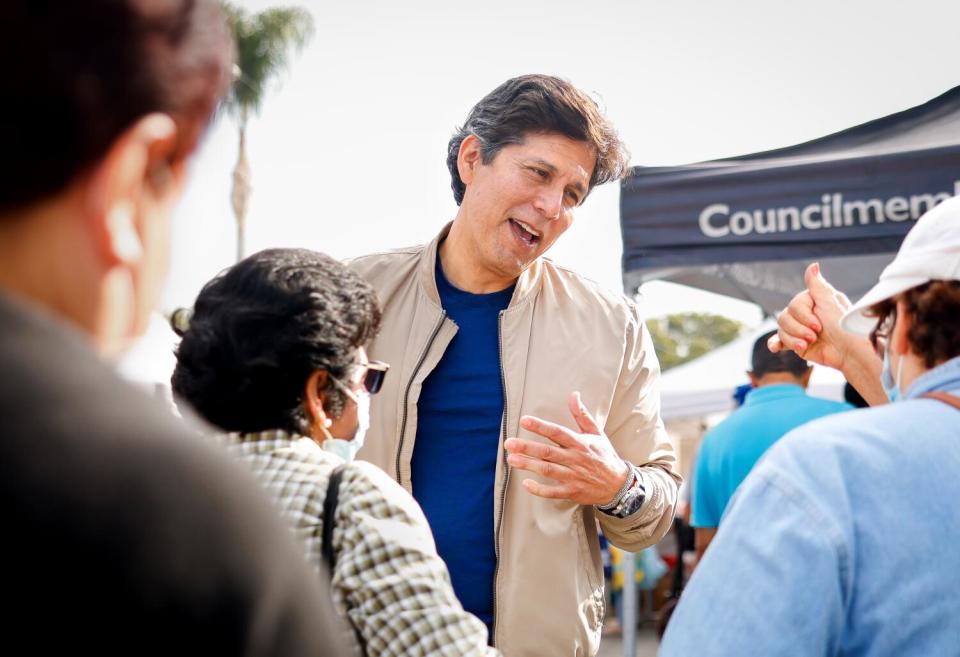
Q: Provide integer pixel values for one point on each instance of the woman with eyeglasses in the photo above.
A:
(841, 540)
(273, 355)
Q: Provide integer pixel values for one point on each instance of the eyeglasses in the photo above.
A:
(374, 372)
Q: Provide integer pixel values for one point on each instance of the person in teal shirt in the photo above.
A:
(777, 404)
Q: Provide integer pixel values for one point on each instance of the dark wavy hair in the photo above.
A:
(538, 104)
(934, 307)
(261, 327)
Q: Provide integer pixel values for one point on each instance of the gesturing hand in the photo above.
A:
(810, 325)
(584, 465)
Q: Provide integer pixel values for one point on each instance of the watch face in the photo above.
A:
(634, 497)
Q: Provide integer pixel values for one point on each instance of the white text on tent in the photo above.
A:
(717, 221)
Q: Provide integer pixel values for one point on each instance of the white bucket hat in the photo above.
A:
(930, 252)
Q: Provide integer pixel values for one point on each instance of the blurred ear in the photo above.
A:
(754, 379)
(469, 158)
(805, 377)
(314, 399)
(135, 171)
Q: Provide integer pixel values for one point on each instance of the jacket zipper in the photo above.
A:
(506, 476)
(406, 392)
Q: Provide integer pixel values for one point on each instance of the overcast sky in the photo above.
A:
(348, 154)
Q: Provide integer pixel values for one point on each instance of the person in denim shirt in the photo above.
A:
(840, 540)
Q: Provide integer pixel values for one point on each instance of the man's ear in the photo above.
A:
(313, 399)
(754, 379)
(469, 158)
(805, 377)
(134, 171)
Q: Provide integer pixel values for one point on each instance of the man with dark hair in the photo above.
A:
(121, 534)
(524, 408)
(776, 404)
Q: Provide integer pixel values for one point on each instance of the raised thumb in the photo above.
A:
(820, 289)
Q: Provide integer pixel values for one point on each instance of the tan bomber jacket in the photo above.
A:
(559, 334)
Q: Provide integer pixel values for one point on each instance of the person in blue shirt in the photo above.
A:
(524, 414)
(776, 404)
(841, 541)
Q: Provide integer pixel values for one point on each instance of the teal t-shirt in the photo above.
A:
(730, 450)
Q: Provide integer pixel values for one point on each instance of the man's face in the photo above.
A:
(518, 205)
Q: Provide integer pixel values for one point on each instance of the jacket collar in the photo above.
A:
(527, 287)
(945, 376)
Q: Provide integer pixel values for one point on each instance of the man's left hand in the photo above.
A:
(584, 465)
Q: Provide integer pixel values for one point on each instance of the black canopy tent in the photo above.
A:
(747, 226)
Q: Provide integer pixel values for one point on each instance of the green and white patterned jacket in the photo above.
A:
(388, 579)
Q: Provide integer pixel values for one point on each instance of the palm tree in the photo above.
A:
(264, 42)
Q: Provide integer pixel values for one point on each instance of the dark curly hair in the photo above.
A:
(261, 327)
(934, 307)
(538, 104)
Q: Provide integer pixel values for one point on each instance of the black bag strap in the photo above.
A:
(330, 516)
(329, 522)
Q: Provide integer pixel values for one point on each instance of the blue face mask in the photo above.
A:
(347, 449)
(890, 385)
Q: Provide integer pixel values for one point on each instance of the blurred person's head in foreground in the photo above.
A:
(768, 368)
(527, 156)
(277, 342)
(102, 104)
(912, 314)
(151, 542)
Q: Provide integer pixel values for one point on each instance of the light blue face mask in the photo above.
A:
(347, 449)
(886, 379)
(891, 386)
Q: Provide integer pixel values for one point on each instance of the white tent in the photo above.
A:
(706, 385)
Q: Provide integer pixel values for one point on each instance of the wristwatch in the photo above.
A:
(629, 498)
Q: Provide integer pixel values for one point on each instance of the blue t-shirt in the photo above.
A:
(458, 433)
(730, 450)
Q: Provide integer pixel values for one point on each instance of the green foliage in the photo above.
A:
(264, 42)
(683, 337)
